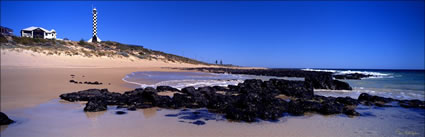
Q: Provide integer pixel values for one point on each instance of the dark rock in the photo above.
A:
(367, 99)
(351, 112)
(412, 103)
(331, 108)
(73, 81)
(189, 90)
(95, 105)
(165, 88)
(298, 89)
(85, 95)
(120, 112)
(340, 85)
(131, 108)
(165, 102)
(220, 88)
(198, 122)
(347, 101)
(295, 109)
(4, 119)
(207, 91)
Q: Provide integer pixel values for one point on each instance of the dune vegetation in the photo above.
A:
(83, 48)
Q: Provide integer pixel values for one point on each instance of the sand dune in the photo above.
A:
(28, 58)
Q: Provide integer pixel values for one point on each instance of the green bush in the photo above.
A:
(3, 39)
(23, 40)
(82, 42)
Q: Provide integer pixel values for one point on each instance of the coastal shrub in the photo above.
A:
(23, 40)
(106, 48)
(60, 42)
(3, 39)
(101, 53)
(107, 42)
(82, 42)
(86, 45)
(125, 54)
(38, 40)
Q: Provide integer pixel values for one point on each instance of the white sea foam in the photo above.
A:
(179, 84)
(195, 79)
(391, 93)
(343, 72)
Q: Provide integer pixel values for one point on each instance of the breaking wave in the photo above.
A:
(343, 72)
(180, 80)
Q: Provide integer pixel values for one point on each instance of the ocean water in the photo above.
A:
(399, 84)
(180, 80)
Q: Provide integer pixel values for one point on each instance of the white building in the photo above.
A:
(38, 32)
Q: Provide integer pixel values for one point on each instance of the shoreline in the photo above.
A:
(46, 76)
(44, 84)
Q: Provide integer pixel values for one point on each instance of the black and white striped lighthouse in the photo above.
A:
(94, 38)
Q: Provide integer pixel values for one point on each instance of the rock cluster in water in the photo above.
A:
(248, 101)
(86, 82)
(319, 80)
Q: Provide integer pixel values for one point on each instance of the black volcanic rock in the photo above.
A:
(412, 103)
(340, 85)
(95, 105)
(298, 89)
(85, 95)
(367, 99)
(249, 101)
(166, 88)
(329, 107)
(4, 119)
(220, 88)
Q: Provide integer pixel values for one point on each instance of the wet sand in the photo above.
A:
(23, 87)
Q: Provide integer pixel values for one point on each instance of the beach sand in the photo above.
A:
(29, 78)
(31, 84)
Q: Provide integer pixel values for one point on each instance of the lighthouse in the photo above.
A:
(94, 38)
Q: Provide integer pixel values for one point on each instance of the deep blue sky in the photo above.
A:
(289, 34)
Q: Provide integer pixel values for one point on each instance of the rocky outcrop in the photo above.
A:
(86, 82)
(165, 88)
(248, 101)
(367, 99)
(95, 105)
(4, 119)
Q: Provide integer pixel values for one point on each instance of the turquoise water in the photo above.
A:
(400, 84)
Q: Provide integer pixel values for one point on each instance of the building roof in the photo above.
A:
(33, 28)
